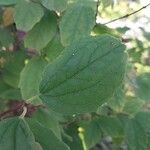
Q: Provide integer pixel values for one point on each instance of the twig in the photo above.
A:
(19, 108)
(127, 15)
(97, 5)
(23, 113)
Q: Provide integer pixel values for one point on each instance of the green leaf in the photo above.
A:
(75, 141)
(98, 128)
(42, 33)
(13, 67)
(30, 77)
(54, 48)
(84, 76)
(44, 117)
(136, 138)
(8, 2)
(137, 131)
(133, 105)
(46, 137)
(143, 86)
(7, 92)
(76, 23)
(5, 37)
(56, 5)
(143, 118)
(27, 14)
(122, 30)
(117, 101)
(103, 29)
(15, 134)
(11, 94)
(111, 126)
(92, 133)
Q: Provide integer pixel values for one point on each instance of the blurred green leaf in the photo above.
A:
(42, 33)
(55, 5)
(137, 131)
(11, 94)
(12, 68)
(92, 132)
(46, 137)
(143, 86)
(27, 14)
(54, 48)
(117, 101)
(46, 119)
(107, 3)
(6, 37)
(76, 23)
(30, 78)
(111, 126)
(7, 92)
(133, 105)
(8, 2)
(75, 141)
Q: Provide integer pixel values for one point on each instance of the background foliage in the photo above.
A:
(65, 83)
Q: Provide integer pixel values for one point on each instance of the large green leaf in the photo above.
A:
(56, 5)
(42, 33)
(15, 134)
(84, 76)
(30, 77)
(27, 14)
(7, 2)
(77, 22)
(46, 137)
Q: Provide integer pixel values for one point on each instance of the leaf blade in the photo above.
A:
(78, 80)
(27, 77)
(76, 23)
(42, 33)
(17, 134)
(27, 14)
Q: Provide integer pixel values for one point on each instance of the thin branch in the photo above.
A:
(127, 15)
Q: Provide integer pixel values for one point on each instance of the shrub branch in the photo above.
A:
(127, 15)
